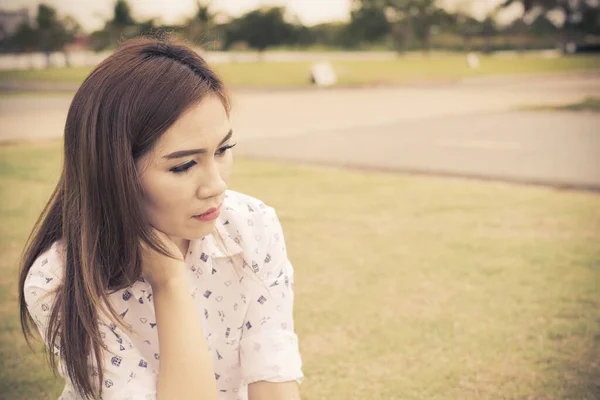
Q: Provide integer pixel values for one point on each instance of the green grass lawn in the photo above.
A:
(351, 73)
(406, 287)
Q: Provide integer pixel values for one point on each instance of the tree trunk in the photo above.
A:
(401, 37)
(426, 43)
(565, 31)
(466, 42)
(487, 44)
(48, 62)
(67, 59)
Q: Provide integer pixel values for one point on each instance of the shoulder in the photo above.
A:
(243, 204)
(47, 269)
(254, 226)
(242, 210)
(44, 277)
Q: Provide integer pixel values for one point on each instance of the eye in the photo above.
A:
(183, 167)
(221, 152)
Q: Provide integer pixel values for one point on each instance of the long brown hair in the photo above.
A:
(117, 115)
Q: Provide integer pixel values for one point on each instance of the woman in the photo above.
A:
(145, 276)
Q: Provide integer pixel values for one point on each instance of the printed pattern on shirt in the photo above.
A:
(242, 285)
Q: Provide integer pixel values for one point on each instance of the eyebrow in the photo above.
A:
(185, 153)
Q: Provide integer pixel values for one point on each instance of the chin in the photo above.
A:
(199, 233)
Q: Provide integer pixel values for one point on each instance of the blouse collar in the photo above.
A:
(217, 244)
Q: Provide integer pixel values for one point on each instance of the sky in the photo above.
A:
(92, 13)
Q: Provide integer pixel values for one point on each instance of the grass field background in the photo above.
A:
(351, 73)
(406, 287)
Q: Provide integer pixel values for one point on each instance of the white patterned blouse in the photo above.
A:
(242, 285)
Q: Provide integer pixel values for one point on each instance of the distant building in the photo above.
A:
(10, 21)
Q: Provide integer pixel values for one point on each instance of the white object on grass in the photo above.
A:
(473, 61)
(322, 74)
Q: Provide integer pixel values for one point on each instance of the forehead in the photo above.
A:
(203, 125)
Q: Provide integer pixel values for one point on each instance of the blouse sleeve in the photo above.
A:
(126, 372)
(269, 346)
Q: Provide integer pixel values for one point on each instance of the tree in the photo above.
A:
(49, 33)
(100, 40)
(202, 26)
(488, 30)
(147, 26)
(367, 21)
(260, 28)
(468, 27)
(590, 19)
(574, 12)
(122, 14)
(54, 34)
(529, 5)
(409, 17)
(24, 39)
(542, 26)
(422, 15)
(334, 34)
(122, 25)
(302, 35)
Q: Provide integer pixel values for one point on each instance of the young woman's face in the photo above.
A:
(186, 173)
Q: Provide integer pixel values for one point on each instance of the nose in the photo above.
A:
(212, 183)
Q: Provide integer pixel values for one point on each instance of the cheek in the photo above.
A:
(226, 167)
(164, 193)
(167, 193)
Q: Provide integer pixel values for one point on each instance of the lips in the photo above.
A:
(209, 211)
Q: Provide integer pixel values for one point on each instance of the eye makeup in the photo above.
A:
(186, 166)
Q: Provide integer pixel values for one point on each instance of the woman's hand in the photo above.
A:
(161, 270)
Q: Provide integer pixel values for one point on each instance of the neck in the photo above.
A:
(182, 245)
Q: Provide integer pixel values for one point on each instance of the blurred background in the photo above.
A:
(435, 165)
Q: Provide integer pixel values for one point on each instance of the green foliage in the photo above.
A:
(202, 29)
(329, 33)
(260, 28)
(50, 33)
(99, 40)
(542, 26)
(528, 5)
(404, 19)
(24, 39)
(54, 34)
(374, 24)
(46, 17)
(581, 16)
(122, 15)
(121, 26)
(590, 19)
(368, 22)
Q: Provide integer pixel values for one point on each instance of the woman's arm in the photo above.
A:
(269, 354)
(185, 370)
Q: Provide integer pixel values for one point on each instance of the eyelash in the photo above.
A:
(180, 169)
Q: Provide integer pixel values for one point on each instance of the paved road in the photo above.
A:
(467, 127)
(550, 148)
